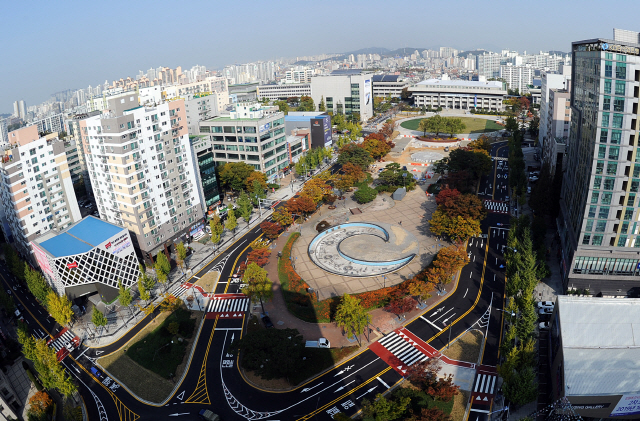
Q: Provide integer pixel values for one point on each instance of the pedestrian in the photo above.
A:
(400, 223)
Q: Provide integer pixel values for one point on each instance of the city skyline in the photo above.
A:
(88, 43)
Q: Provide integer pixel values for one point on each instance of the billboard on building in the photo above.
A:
(42, 259)
(120, 244)
(367, 91)
(629, 404)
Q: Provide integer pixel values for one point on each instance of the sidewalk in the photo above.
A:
(121, 319)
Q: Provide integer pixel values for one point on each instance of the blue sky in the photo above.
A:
(56, 45)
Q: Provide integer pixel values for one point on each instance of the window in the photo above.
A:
(620, 87)
(612, 168)
(614, 152)
(606, 198)
(602, 151)
(617, 121)
(599, 167)
(594, 197)
(589, 226)
(604, 133)
(600, 226)
(628, 214)
(592, 211)
(618, 105)
(606, 103)
(586, 238)
(608, 69)
(597, 182)
(605, 119)
(607, 86)
(609, 182)
(621, 70)
(597, 240)
(604, 212)
(616, 137)
(631, 200)
(634, 185)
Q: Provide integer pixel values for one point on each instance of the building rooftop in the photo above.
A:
(385, 78)
(347, 72)
(601, 352)
(78, 238)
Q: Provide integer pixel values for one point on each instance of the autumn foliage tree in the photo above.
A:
(424, 373)
(301, 205)
(315, 189)
(259, 256)
(39, 403)
(399, 306)
(282, 216)
(377, 148)
(270, 229)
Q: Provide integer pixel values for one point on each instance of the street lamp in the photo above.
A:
(404, 177)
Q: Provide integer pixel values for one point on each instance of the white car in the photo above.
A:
(533, 178)
(544, 325)
(546, 304)
(545, 311)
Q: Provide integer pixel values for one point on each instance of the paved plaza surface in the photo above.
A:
(411, 215)
(363, 249)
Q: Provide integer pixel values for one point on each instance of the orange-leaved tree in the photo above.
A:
(39, 403)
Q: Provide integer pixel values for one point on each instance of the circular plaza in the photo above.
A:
(363, 249)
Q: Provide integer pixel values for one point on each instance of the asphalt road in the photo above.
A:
(214, 381)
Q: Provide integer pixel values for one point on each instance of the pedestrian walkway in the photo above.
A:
(63, 343)
(485, 386)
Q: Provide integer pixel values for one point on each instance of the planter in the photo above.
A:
(332, 207)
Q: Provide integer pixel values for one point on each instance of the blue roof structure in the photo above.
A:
(385, 78)
(81, 237)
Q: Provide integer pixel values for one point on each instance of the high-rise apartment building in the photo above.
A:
(36, 189)
(488, 64)
(599, 221)
(4, 134)
(142, 171)
(561, 80)
(251, 133)
(517, 77)
(558, 123)
(20, 109)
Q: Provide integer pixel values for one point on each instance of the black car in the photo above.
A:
(267, 322)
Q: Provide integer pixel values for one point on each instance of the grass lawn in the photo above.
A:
(467, 348)
(474, 125)
(160, 351)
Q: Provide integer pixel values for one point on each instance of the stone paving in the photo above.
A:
(411, 213)
(363, 250)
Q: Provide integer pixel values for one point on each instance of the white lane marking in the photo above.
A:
(430, 323)
(381, 381)
(465, 293)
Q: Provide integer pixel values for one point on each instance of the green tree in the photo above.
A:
(424, 126)
(436, 124)
(163, 267)
(148, 281)
(351, 316)
(59, 307)
(454, 126)
(321, 106)
(245, 208)
(306, 104)
(124, 295)
(51, 372)
(36, 284)
(26, 340)
(233, 175)
(98, 318)
(258, 284)
(283, 106)
(272, 353)
(6, 301)
(181, 253)
(356, 155)
(383, 409)
(232, 222)
(142, 290)
(257, 192)
(365, 194)
(16, 265)
(216, 229)
(511, 124)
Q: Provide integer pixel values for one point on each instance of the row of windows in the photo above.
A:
(606, 266)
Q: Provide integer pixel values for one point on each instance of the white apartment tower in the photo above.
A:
(142, 171)
(36, 190)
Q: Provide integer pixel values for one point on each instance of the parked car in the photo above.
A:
(546, 311)
(544, 325)
(528, 190)
(533, 178)
(267, 322)
(546, 304)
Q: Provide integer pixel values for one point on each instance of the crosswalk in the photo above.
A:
(403, 348)
(59, 343)
(500, 158)
(179, 290)
(484, 388)
(228, 306)
(496, 207)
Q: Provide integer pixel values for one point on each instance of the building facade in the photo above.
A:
(558, 124)
(517, 77)
(252, 134)
(88, 257)
(282, 92)
(317, 123)
(459, 94)
(549, 81)
(345, 92)
(599, 217)
(388, 85)
(209, 188)
(51, 124)
(142, 171)
(37, 192)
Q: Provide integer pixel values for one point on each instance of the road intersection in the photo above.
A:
(213, 379)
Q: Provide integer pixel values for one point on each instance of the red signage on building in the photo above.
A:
(72, 265)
